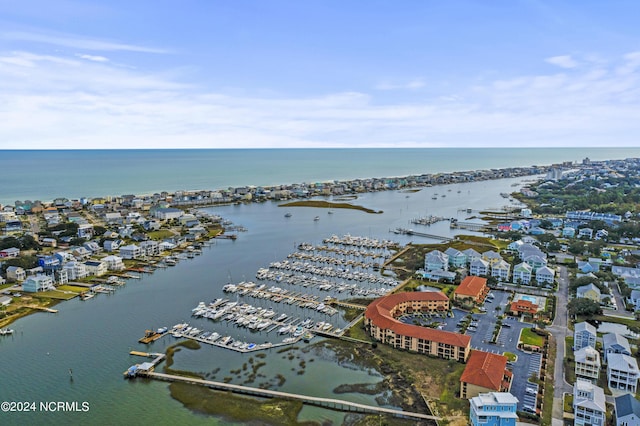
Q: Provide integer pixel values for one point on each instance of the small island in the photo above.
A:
(328, 205)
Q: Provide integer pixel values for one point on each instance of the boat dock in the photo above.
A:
(404, 231)
(146, 367)
(471, 226)
(428, 220)
(151, 336)
(335, 404)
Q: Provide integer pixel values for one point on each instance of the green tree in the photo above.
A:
(583, 307)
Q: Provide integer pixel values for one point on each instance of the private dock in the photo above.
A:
(334, 404)
(471, 226)
(404, 231)
(151, 336)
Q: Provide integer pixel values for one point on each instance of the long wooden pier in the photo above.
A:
(420, 234)
(472, 226)
(336, 404)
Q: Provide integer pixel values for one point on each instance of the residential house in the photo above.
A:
(436, 260)
(472, 287)
(485, 372)
(81, 253)
(75, 270)
(522, 273)
(568, 232)
(586, 267)
(93, 247)
(150, 248)
(5, 300)
(515, 245)
(479, 267)
(167, 213)
(535, 261)
(584, 334)
(493, 409)
(10, 252)
(166, 246)
(613, 343)
(622, 372)
(112, 245)
(471, 255)
(545, 274)
(114, 263)
(589, 291)
(588, 364)
(37, 283)
(96, 267)
(85, 230)
(585, 233)
(131, 251)
(501, 270)
(589, 404)
(457, 259)
(491, 256)
(602, 234)
(627, 410)
(16, 273)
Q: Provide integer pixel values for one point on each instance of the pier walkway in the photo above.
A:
(420, 234)
(471, 226)
(336, 404)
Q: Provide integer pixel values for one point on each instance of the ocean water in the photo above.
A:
(94, 337)
(45, 175)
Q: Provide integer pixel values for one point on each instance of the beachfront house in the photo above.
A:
(501, 270)
(436, 260)
(16, 273)
(622, 372)
(471, 255)
(584, 334)
(95, 268)
(522, 273)
(457, 259)
(614, 343)
(75, 270)
(589, 404)
(36, 283)
(113, 263)
(588, 364)
(493, 409)
(131, 251)
(479, 267)
(150, 248)
(627, 411)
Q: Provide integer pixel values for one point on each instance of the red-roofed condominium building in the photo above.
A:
(485, 372)
(381, 315)
(472, 287)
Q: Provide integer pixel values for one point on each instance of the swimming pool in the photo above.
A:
(532, 299)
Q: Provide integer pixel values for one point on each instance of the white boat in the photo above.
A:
(5, 331)
(284, 330)
(317, 218)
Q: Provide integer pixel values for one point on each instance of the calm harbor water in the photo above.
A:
(94, 337)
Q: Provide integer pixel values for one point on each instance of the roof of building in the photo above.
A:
(485, 369)
(585, 326)
(613, 339)
(379, 312)
(596, 401)
(523, 306)
(581, 354)
(471, 286)
(626, 404)
(622, 362)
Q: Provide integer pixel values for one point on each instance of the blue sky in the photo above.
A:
(254, 74)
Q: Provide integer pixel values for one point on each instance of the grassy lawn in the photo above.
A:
(327, 204)
(160, 234)
(73, 288)
(56, 294)
(528, 337)
(568, 403)
(510, 356)
(549, 380)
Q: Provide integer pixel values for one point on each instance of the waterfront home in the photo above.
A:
(5, 300)
(522, 273)
(613, 343)
(166, 246)
(437, 275)
(584, 334)
(627, 410)
(10, 252)
(380, 319)
(37, 283)
(491, 257)
(589, 404)
(131, 251)
(75, 270)
(436, 260)
(114, 263)
(535, 261)
(112, 245)
(457, 259)
(528, 249)
(81, 253)
(589, 291)
(471, 255)
(545, 274)
(93, 247)
(622, 372)
(95, 267)
(501, 270)
(472, 287)
(49, 263)
(479, 267)
(150, 248)
(493, 409)
(588, 364)
(485, 372)
(515, 245)
(16, 273)
(167, 213)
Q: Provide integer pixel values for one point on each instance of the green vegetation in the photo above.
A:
(568, 403)
(510, 356)
(584, 308)
(73, 288)
(160, 234)
(528, 337)
(56, 294)
(328, 205)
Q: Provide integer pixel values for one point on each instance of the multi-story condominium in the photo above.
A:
(436, 260)
(584, 334)
(485, 372)
(622, 372)
(493, 409)
(522, 273)
(472, 287)
(627, 411)
(587, 364)
(545, 274)
(381, 315)
(501, 270)
(588, 404)
(457, 259)
(479, 267)
(613, 343)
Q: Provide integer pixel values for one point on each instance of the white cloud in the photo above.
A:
(51, 101)
(94, 58)
(410, 85)
(562, 61)
(76, 42)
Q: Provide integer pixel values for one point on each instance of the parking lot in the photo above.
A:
(481, 332)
